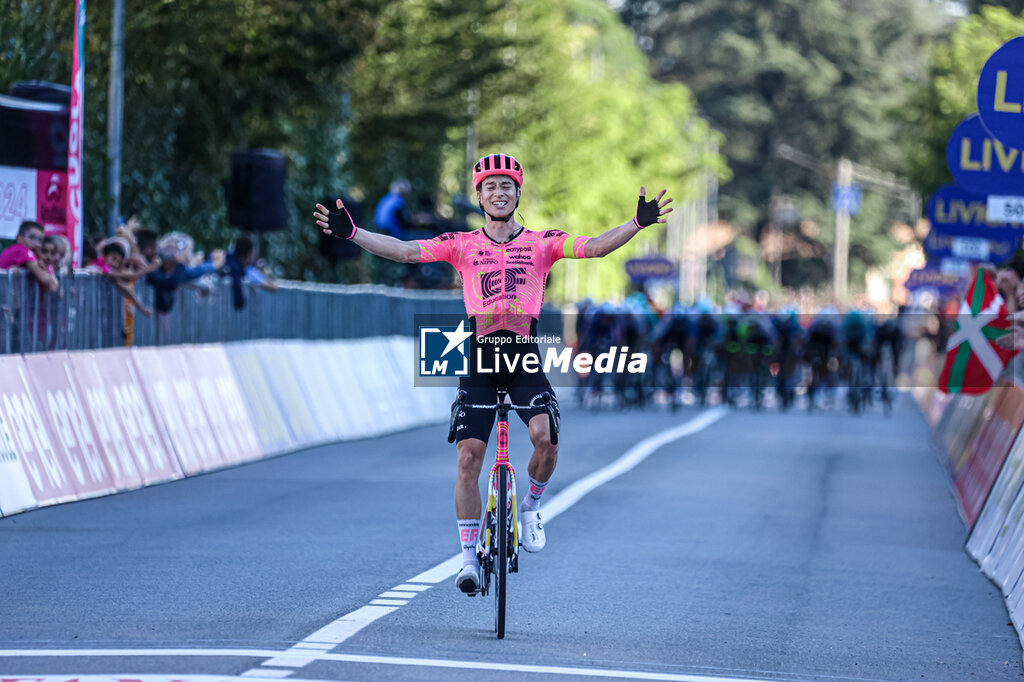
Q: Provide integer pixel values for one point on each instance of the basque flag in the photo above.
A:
(973, 361)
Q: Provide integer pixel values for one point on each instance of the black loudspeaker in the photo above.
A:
(34, 125)
(256, 191)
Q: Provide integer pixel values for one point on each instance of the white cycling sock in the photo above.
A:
(531, 502)
(468, 530)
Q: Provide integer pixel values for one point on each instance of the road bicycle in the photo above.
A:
(497, 545)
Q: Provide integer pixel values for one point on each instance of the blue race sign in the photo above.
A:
(945, 284)
(654, 267)
(981, 164)
(1001, 94)
(978, 249)
(954, 211)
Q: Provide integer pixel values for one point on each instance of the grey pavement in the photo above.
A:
(767, 546)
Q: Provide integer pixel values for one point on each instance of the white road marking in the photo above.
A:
(260, 672)
(411, 588)
(395, 594)
(351, 623)
(341, 658)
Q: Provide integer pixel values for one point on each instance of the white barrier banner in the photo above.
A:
(267, 417)
(15, 491)
(289, 394)
(48, 473)
(62, 405)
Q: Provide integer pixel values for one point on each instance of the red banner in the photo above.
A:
(75, 137)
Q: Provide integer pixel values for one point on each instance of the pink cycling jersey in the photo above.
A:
(502, 282)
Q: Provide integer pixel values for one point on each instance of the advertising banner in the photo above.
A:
(955, 211)
(309, 361)
(981, 164)
(15, 490)
(157, 376)
(289, 394)
(987, 453)
(62, 408)
(267, 417)
(989, 536)
(89, 389)
(933, 278)
(351, 396)
(121, 415)
(48, 473)
(222, 403)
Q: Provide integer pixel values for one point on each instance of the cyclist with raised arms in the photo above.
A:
(504, 268)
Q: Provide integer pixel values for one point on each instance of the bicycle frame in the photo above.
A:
(485, 541)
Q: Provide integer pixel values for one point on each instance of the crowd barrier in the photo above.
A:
(981, 442)
(88, 313)
(76, 425)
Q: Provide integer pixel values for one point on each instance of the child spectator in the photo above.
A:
(111, 263)
(49, 254)
(23, 254)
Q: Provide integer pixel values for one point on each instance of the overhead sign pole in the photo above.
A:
(75, 133)
(114, 115)
(844, 178)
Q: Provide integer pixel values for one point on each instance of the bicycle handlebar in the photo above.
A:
(549, 407)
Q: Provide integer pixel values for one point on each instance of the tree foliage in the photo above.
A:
(357, 92)
(823, 76)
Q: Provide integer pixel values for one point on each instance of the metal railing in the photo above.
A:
(87, 312)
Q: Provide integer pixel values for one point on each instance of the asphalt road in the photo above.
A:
(761, 546)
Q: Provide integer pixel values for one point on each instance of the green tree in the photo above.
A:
(824, 76)
(591, 125)
(1014, 6)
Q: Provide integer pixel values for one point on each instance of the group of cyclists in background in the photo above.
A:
(742, 356)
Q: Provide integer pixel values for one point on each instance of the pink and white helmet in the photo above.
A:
(497, 164)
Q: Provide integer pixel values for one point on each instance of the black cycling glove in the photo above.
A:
(339, 222)
(646, 212)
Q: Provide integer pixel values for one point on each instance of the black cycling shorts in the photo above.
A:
(524, 388)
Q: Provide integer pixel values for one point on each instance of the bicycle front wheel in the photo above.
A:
(501, 568)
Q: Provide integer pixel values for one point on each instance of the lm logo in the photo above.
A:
(444, 351)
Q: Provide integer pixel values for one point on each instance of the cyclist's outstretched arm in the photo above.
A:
(647, 213)
(338, 223)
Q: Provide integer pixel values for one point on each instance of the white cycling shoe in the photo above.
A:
(468, 580)
(532, 538)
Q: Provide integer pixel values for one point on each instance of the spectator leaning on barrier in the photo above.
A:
(24, 253)
(171, 274)
(111, 264)
(235, 264)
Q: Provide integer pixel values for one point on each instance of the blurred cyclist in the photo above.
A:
(503, 267)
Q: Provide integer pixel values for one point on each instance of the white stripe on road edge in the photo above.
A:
(352, 623)
(341, 658)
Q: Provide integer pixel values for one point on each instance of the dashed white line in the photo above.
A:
(390, 602)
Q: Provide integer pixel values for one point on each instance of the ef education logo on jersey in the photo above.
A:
(444, 351)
